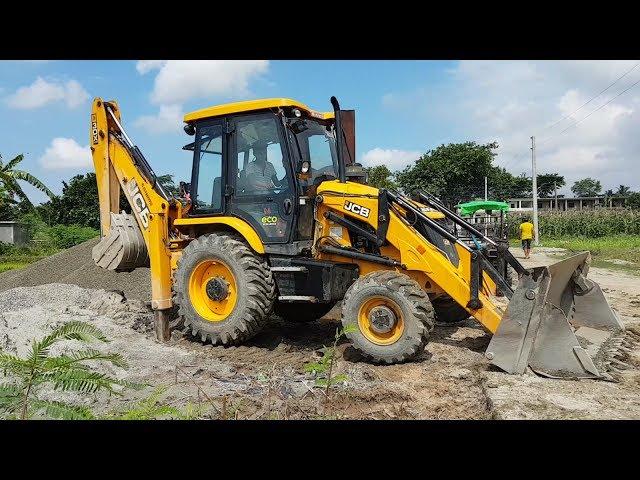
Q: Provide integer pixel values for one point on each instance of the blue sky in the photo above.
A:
(403, 108)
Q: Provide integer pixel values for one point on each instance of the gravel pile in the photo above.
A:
(75, 266)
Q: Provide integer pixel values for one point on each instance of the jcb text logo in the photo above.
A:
(138, 203)
(357, 209)
(94, 129)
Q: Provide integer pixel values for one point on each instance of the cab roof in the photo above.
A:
(251, 105)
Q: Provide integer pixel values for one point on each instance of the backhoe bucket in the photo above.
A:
(559, 323)
(123, 248)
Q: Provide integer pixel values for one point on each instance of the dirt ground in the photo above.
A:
(265, 378)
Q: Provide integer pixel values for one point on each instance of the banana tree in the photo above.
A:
(9, 177)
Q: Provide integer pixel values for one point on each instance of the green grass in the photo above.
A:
(15, 260)
(45, 241)
(6, 266)
(603, 249)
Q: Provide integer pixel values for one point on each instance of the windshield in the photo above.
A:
(318, 146)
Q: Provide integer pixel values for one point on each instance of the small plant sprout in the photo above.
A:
(152, 408)
(323, 368)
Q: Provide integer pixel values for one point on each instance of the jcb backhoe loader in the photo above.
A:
(277, 218)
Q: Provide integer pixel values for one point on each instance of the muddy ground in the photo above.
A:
(265, 378)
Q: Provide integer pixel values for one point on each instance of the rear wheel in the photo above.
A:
(448, 311)
(301, 312)
(391, 314)
(223, 290)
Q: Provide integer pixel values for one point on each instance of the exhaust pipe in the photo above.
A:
(559, 324)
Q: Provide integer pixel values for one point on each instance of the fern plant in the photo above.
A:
(69, 372)
(323, 368)
(152, 408)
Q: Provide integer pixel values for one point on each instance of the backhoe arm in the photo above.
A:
(120, 165)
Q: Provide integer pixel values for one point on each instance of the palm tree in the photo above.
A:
(9, 177)
(623, 190)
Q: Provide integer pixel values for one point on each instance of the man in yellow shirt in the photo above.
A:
(526, 234)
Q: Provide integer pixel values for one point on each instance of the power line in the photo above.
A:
(511, 161)
(591, 113)
(592, 98)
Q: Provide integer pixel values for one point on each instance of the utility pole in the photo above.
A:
(555, 194)
(486, 215)
(534, 178)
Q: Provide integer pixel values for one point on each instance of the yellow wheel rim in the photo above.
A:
(208, 308)
(366, 327)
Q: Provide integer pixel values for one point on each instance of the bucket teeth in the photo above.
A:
(633, 335)
(619, 365)
(123, 247)
(611, 375)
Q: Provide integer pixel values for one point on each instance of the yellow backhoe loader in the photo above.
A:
(278, 218)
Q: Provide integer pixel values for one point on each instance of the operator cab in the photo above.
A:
(261, 161)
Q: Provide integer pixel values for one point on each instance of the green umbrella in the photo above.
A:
(470, 208)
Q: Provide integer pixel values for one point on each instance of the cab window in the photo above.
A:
(208, 168)
(261, 160)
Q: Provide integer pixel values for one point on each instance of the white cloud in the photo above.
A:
(168, 119)
(42, 92)
(509, 101)
(180, 80)
(145, 66)
(392, 158)
(66, 153)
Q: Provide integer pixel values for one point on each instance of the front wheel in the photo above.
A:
(391, 315)
(223, 290)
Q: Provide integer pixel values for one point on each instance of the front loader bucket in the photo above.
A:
(559, 323)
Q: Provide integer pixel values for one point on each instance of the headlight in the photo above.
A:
(297, 112)
(305, 166)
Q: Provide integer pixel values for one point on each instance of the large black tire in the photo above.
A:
(301, 312)
(448, 312)
(255, 289)
(405, 296)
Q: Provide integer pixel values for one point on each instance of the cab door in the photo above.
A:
(260, 173)
(208, 171)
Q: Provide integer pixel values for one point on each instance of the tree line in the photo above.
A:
(78, 204)
(455, 173)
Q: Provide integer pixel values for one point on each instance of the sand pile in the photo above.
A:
(75, 266)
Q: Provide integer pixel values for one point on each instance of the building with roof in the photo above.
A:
(564, 204)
